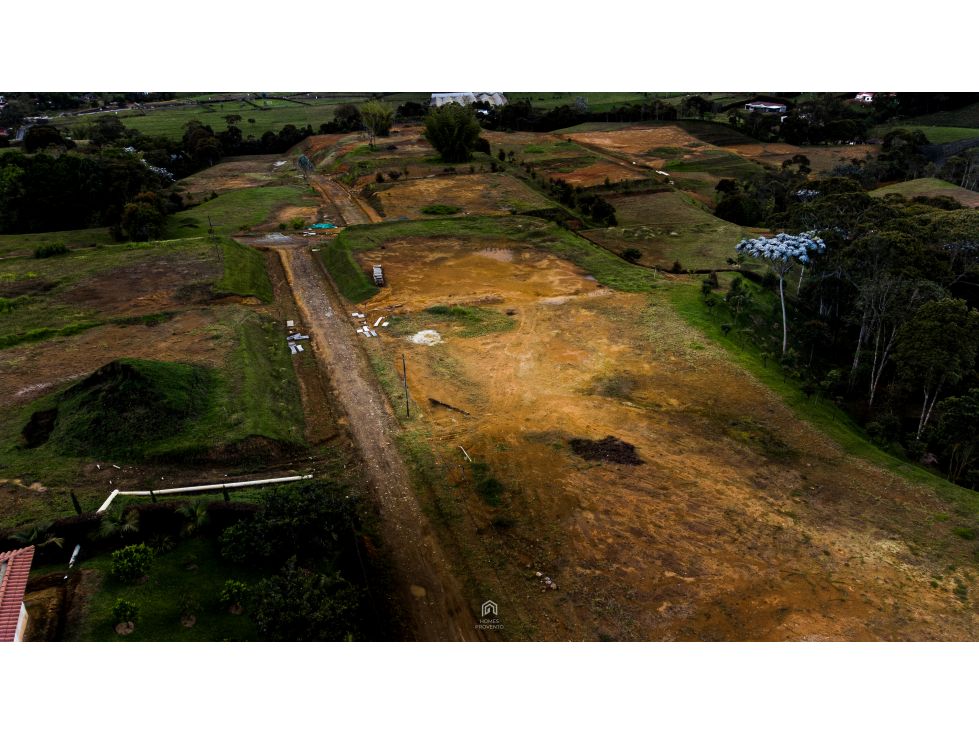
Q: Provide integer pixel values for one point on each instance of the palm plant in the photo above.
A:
(196, 516)
(38, 536)
(116, 523)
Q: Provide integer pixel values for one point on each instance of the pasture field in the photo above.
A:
(666, 227)
(597, 101)
(262, 207)
(25, 244)
(967, 116)
(934, 133)
(930, 187)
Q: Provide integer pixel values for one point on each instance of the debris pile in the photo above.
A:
(294, 338)
(545, 582)
(609, 448)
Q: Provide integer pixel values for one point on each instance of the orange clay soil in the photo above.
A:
(742, 523)
(639, 140)
(477, 193)
(596, 174)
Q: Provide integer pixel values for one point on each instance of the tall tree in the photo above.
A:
(453, 131)
(959, 431)
(378, 118)
(936, 348)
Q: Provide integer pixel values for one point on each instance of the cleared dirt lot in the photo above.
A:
(821, 158)
(742, 523)
(240, 172)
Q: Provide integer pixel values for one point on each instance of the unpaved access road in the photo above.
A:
(350, 209)
(425, 586)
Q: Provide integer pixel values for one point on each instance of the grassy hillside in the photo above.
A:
(967, 116)
(668, 227)
(934, 133)
(930, 187)
(244, 271)
(745, 349)
(234, 210)
(26, 243)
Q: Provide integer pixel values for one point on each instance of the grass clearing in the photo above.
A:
(930, 187)
(934, 133)
(27, 243)
(237, 209)
(667, 227)
(462, 321)
(159, 598)
(244, 271)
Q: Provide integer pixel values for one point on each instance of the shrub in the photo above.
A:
(677, 267)
(234, 592)
(125, 611)
(161, 544)
(308, 519)
(295, 607)
(738, 209)
(394, 175)
(297, 222)
(50, 251)
(440, 210)
(486, 484)
(379, 177)
(196, 516)
(282, 225)
(632, 254)
(769, 280)
(132, 562)
(501, 155)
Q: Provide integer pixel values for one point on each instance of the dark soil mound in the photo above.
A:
(120, 407)
(608, 449)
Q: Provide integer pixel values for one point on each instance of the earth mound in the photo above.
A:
(119, 408)
(609, 448)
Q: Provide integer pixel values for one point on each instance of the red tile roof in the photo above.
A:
(12, 589)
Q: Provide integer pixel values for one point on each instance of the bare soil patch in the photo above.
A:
(821, 159)
(609, 449)
(639, 140)
(232, 174)
(723, 533)
(597, 172)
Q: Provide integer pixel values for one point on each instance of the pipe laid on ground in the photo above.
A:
(105, 505)
(219, 486)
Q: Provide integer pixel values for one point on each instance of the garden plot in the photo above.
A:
(637, 141)
(480, 193)
(729, 520)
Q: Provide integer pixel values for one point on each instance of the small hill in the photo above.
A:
(119, 408)
(931, 187)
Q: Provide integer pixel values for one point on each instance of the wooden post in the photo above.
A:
(404, 371)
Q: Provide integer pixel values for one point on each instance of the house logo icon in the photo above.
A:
(489, 609)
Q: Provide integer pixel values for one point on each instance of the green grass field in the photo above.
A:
(930, 187)
(597, 101)
(356, 286)
(667, 227)
(21, 243)
(244, 271)
(234, 210)
(159, 597)
(934, 133)
(719, 163)
(967, 116)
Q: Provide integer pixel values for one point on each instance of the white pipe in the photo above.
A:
(220, 486)
(105, 505)
(467, 455)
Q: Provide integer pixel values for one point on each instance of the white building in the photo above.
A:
(442, 98)
(765, 107)
(865, 97)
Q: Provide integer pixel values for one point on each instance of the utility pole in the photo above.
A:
(404, 371)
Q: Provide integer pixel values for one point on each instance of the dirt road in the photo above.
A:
(350, 208)
(427, 590)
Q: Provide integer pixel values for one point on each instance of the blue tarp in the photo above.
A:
(326, 225)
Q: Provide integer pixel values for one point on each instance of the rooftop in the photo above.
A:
(14, 569)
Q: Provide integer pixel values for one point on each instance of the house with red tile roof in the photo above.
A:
(14, 569)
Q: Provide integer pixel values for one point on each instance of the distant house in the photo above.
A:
(14, 569)
(865, 97)
(464, 98)
(768, 107)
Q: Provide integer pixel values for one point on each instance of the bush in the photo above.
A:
(308, 519)
(453, 131)
(125, 611)
(50, 251)
(739, 209)
(379, 177)
(440, 210)
(296, 607)
(769, 280)
(282, 225)
(677, 267)
(632, 254)
(234, 592)
(297, 222)
(132, 562)
(394, 175)
(486, 484)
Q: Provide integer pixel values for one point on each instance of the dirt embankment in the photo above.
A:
(425, 586)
